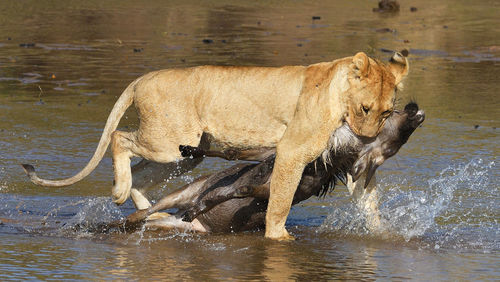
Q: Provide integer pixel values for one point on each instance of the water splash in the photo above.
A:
(449, 210)
(92, 215)
(98, 216)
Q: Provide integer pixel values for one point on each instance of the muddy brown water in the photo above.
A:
(64, 63)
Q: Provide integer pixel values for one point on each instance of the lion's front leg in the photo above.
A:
(284, 181)
(291, 159)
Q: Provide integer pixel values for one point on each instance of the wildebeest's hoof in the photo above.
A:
(158, 215)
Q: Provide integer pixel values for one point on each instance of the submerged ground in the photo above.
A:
(64, 63)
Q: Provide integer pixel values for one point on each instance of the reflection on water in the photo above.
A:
(62, 66)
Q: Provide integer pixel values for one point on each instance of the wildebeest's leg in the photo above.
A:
(193, 197)
(189, 196)
(257, 154)
(146, 174)
(178, 199)
(240, 181)
(367, 200)
(220, 195)
(371, 205)
(173, 222)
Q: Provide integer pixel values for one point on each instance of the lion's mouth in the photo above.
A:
(354, 132)
(346, 124)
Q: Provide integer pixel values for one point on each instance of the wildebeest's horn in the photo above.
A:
(372, 167)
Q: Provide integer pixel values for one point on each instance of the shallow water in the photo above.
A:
(439, 195)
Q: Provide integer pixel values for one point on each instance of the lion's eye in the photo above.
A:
(365, 109)
(386, 114)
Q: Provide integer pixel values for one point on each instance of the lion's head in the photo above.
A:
(372, 90)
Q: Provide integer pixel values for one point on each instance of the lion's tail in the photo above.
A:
(116, 114)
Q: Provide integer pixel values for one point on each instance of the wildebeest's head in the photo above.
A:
(395, 133)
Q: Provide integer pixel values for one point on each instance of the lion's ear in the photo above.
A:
(399, 65)
(360, 64)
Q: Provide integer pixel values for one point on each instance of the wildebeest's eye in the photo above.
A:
(412, 109)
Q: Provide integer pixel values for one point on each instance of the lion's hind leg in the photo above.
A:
(125, 145)
(122, 144)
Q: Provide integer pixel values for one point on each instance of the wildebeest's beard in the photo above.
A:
(337, 160)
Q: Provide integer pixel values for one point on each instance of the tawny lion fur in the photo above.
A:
(292, 108)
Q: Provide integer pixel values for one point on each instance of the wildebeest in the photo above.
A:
(235, 199)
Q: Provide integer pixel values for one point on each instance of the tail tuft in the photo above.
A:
(29, 169)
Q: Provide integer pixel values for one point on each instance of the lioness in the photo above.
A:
(235, 199)
(292, 108)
